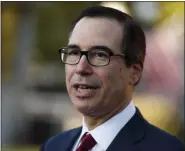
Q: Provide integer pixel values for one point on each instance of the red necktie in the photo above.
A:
(87, 143)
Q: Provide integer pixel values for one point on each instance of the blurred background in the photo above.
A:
(35, 103)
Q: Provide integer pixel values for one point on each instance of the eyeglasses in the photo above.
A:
(96, 56)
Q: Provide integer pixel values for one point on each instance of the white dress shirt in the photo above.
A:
(105, 133)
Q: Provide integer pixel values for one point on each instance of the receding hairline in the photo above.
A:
(98, 17)
(104, 12)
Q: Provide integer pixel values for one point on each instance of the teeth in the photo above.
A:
(83, 87)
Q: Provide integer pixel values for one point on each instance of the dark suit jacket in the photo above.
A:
(137, 135)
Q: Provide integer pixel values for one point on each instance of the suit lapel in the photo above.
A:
(132, 133)
(66, 142)
(73, 136)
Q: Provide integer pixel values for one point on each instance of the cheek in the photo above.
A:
(118, 79)
(69, 73)
(116, 75)
(109, 79)
(113, 76)
(122, 75)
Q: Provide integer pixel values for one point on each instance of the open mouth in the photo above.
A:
(84, 88)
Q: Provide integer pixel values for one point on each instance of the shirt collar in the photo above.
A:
(106, 132)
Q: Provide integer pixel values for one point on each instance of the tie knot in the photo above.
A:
(87, 143)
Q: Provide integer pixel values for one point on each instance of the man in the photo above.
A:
(103, 63)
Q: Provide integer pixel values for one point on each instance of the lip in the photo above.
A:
(83, 84)
(86, 93)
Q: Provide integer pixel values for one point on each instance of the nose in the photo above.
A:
(83, 67)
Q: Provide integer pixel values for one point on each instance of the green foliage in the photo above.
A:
(53, 25)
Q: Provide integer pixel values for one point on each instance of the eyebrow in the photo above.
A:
(91, 48)
(73, 46)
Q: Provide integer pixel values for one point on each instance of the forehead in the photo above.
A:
(94, 31)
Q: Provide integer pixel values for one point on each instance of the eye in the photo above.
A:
(73, 52)
(101, 54)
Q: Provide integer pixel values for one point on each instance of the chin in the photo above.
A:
(83, 110)
(82, 106)
(80, 103)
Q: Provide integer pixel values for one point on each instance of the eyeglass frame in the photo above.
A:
(104, 48)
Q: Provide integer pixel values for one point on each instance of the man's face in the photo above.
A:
(95, 90)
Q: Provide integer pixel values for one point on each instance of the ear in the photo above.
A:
(135, 73)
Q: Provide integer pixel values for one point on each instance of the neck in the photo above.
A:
(94, 121)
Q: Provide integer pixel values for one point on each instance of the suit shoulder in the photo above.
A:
(62, 135)
(164, 138)
(152, 129)
(58, 139)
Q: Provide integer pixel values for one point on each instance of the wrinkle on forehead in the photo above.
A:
(97, 31)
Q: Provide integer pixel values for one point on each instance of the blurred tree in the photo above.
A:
(12, 93)
(9, 26)
(54, 22)
(52, 27)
